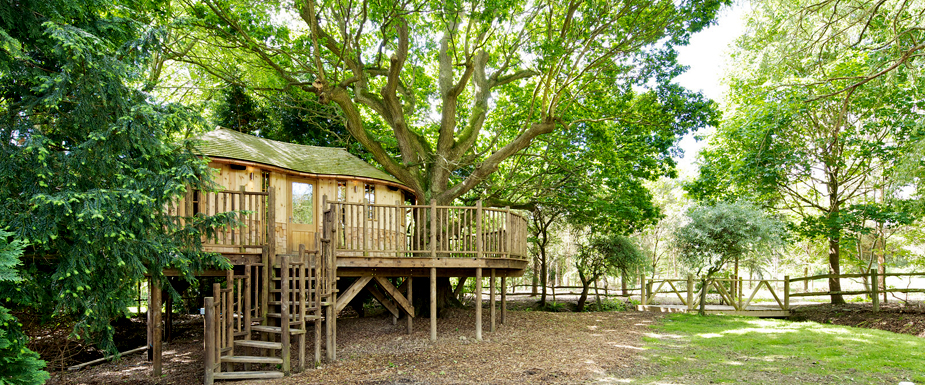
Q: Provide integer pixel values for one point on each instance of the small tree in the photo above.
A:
(724, 232)
(604, 254)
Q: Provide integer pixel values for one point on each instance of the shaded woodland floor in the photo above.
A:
(532, 347)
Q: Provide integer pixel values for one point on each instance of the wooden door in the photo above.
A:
(303, 218)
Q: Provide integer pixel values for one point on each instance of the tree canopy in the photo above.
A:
(459, 86)
(813, 131)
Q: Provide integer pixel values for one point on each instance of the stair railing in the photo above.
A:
(228, 314)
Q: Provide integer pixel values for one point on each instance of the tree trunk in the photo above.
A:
(703, 297)
(585, 285)
(544, 277)
(834, 282)
(445, 297)
(536, 274)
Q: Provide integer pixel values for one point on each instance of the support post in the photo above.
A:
(478, 303)
(433, 270)
(209, 340)
(433, 303)
(491, 296)
(284, 303)
(410, 300)
(874, 290)
(503, 299)
(690, 292)
(642, 290)
(154, 317)
(786, 292)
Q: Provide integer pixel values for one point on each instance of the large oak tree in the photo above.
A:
(433, 75)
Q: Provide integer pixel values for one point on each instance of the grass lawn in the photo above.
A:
(689, 349)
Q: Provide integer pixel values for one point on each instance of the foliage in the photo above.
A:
(458, 87)
(819, 118)
(605, 253)
(608, 305)
(90, 163)
(286, 117)
(18, 364)
(718, 233)
(556, 307)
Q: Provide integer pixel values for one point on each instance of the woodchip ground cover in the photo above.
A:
(566, 347)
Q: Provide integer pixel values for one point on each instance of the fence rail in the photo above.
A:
(732, 292)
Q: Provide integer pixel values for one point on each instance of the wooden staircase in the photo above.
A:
(250, 324)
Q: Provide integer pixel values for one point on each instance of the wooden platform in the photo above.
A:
(751, 311)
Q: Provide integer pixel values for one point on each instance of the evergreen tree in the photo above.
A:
(89, 161)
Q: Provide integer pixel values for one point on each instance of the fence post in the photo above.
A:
(642, 290)
(284, 286)
(690, 291)
(787, 292)
(209, 340)
(874, 289)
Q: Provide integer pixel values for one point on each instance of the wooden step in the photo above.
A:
(253, 359)
(258, 344)
(308, 317)
(247, 375)
(276, 329)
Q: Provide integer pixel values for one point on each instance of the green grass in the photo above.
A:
(694, 349)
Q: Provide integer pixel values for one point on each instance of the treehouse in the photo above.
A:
(308, 215)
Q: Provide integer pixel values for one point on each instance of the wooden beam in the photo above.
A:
(491, 295)
(433, 303)
(503, 299)
(439, 262)
(410, 285)
(379, 296)
(351, 292)
(478, 304)
(396, 295)
(420, 272)
(154, 325)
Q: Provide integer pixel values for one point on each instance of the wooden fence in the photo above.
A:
(733, 292)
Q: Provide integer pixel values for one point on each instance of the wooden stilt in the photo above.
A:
(154, 311)
(478, 304)
(433, 303)
(503, 299)
(209, 341)
(491, 296)
(411, 313)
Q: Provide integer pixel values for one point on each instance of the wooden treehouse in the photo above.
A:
(307, 216)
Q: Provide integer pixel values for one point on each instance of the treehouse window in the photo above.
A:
(341, 191)
(302, 203)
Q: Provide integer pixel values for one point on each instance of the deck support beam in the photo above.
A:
(411, 312)
(478, 304)
(433, 303)
(154, 326)
(503, 299)
(491, 296)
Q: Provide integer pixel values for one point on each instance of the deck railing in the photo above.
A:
(251, 209)
(428, 231)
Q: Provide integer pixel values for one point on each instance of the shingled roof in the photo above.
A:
(229, 144)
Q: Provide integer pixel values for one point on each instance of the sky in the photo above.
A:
(706, 56)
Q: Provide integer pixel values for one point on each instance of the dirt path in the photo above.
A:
(532, 347)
